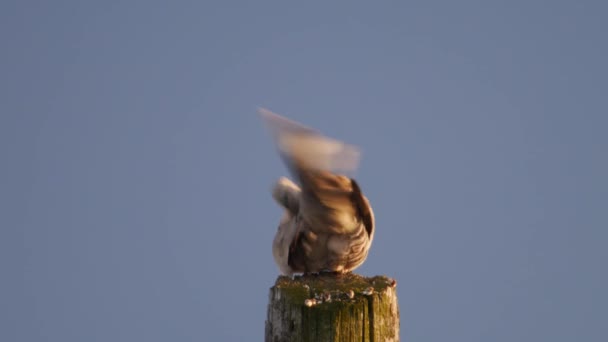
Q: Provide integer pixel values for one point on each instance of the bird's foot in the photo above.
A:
(332, 273)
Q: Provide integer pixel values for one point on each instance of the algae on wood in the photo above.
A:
(327, 307)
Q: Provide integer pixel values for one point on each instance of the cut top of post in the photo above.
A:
(323, 307)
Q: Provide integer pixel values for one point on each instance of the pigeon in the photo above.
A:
(327, 224)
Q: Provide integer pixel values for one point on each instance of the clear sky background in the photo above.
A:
(135, 172)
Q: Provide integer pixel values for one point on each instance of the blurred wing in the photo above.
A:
(306, 149)
(328, 202)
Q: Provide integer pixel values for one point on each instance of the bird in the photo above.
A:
(327, 224)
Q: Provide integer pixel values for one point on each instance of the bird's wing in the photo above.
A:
(329, 203)
(305, 148)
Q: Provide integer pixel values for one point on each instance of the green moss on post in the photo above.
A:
(333, 308)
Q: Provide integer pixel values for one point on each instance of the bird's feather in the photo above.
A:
(332, 222)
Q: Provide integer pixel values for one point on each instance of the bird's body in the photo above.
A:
(328, 224)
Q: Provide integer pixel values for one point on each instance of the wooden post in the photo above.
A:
(327, 307)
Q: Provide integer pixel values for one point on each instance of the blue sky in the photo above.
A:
(135, 172)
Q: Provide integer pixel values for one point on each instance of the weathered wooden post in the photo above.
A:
(327, 307)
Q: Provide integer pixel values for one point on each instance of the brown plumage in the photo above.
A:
(328, 224)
